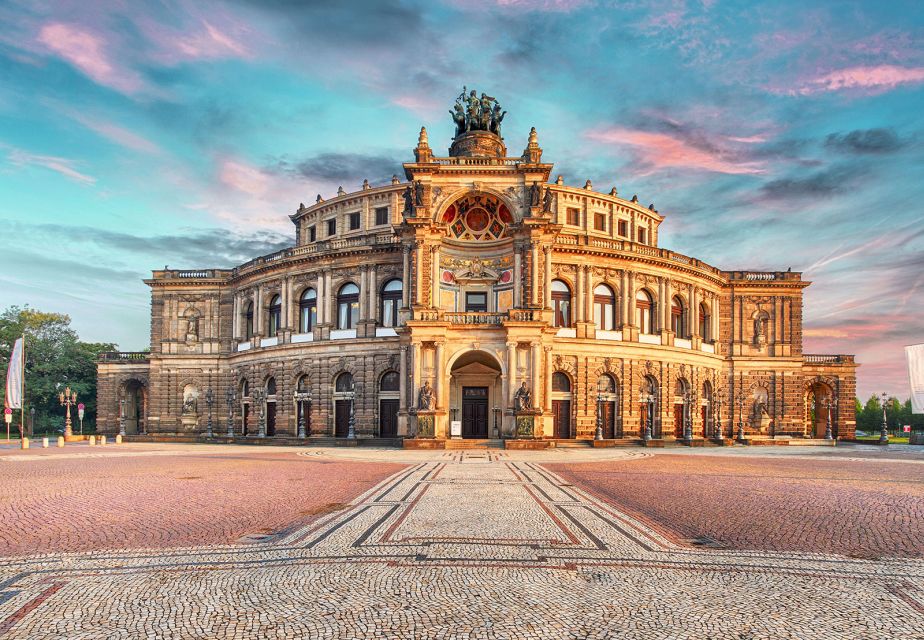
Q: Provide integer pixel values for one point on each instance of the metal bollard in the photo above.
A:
(119, 439)
(44, 443)
(24, 443)
(102, 441)
(92, 441)
(60, 441)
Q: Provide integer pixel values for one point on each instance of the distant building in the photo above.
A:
(477, 292)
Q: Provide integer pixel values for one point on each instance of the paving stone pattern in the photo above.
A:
(462, 546)
(861, 507)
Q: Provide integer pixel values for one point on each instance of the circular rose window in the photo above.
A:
(477, 219)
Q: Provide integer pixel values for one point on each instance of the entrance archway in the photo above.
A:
(681, 389)
(817, 395)
(133, 394)
(475, 395)
(561, 405)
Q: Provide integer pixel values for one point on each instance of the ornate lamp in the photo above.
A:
(230, 397)
(303, 403)
(884, 434)
(209, 399)
(830, 402)
(67, 398)
(740, 436)
(351, 431)
(258, 396)
(598, 435)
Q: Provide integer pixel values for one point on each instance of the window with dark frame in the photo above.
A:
(381, 215)
(600, 221)
(641, 236)
(623, 228)
(354, 221)
(312, 233)
(308, 310)
(574, 216)
(561, 304)
(332, 227)
(275, 316)
(391, 302)
(604, 308)
(348, 306)
(476, 301)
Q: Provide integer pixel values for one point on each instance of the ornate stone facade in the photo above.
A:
(474, 277)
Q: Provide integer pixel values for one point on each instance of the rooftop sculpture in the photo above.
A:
(472, 113)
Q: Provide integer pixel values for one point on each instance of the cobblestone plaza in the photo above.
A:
(199, 541)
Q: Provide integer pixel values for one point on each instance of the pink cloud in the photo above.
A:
(243, 177)
(876, 78)
(60, 165)
(205, 41)
(661, 151)
(88, 52)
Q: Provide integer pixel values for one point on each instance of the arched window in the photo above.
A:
(681, 386)
(344, 382)
(644, 308)
(348, 306)
(248, 321)
(604, 308)
(307, 311)
(678, 317)
(561, 303)
(391, 302)
(245, 389)
(606, 384)
(275, 315)
(705, 323)
(271, 387)
(390, 381)
(561, 382)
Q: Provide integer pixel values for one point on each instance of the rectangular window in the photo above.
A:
(623, 228)
(354, 221)
(600, 221)
(476, 301)
(641, 236)
(574, 217)
(312, 233)
(332, 227)
(381, 215)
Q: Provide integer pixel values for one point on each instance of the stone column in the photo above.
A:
(517, 277)
(668, 294)
(577, 308)
(548, 379)
(258, 312)
(435, 277)
(715, 319)
(406, 278)
(363, 292)
(694, 311)
(547, 279)
(418, 274)
(536, 370)
(236, 316)
(373, 310)
(534, 273)
(319, 292)
(328, 297)
(402, 379)
(438, 386)
(589, 296)
(511, 378)
(628, 298)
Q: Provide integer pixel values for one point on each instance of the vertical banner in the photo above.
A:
(14, 377)
(915, 355)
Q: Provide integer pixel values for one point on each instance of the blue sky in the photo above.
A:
(771, 134)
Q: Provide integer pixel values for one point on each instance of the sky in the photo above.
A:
(771, 135)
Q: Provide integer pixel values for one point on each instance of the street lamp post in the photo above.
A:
(717, 428)
(648, 401)
(884, 434)
(688, 417)
(302, 400)
(209, 399)
(496, 425)
(32, 421)
(351, 431)
(740, 419)
(230, 397)
(598, 435)
(258, 396)
(67, 398)
(829, 402)
(121, 416)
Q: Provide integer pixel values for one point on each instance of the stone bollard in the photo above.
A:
(92, 441)
(44, 443)
(102, 441)
(60, 441)
(24, 443)
(119, 439)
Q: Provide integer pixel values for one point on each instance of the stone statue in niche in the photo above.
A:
(192, 328)
(425, 397)
(418, 193)
(408, 202)
(189, 405)
(534, 195)
(761, 328)
(523, 398)
(547, 201)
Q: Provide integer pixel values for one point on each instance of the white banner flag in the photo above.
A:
(915, 355)
(14, 378)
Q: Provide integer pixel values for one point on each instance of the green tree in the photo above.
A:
(55, 359)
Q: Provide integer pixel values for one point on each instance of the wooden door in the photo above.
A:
(245, 418)
(474, 412)
(561, 417)
(270, 418)
(342, 418)
(609, 420)
(388, 418)
(678, 420)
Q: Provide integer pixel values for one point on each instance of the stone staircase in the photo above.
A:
(563, 443)
(474, 444)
